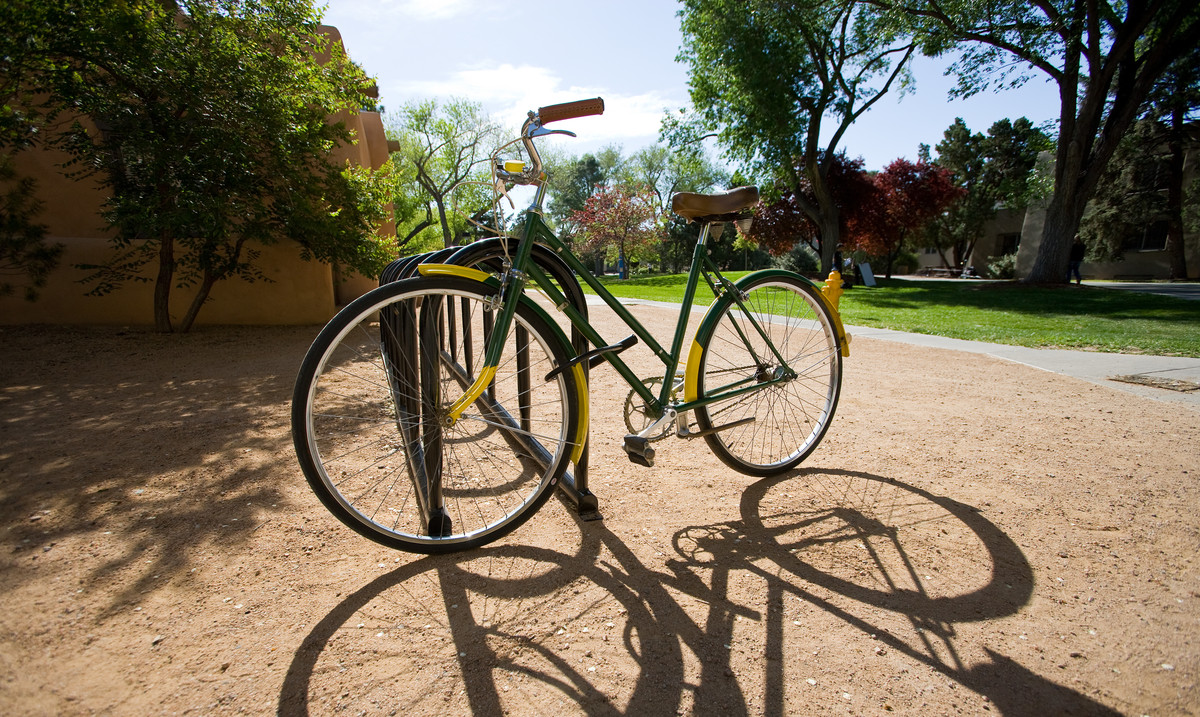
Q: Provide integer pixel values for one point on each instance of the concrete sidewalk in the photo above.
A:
(1093, 366)
(1099, 368)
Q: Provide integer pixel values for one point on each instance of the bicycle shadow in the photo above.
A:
(501, 616)
(874, 514)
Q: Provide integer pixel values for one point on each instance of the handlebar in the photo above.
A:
(533, 127)
(571, 110)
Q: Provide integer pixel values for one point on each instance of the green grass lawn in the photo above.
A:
(1075, 317)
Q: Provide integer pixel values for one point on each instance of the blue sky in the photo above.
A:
(514, 57)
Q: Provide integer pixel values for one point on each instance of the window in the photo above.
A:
(1008, 243)
(1153, 237)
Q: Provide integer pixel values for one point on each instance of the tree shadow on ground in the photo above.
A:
(135, 451)
(488, 627)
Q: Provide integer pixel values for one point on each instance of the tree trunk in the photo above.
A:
(162, 285)
(447, 237)
(830, 236)
(197, 302)
(1175, 246)
(1062, 215)
(1050, 266)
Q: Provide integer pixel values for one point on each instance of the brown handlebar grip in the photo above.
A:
(571, 110)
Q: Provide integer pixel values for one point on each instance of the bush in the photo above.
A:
(906, 263)
(1002, 267)
(801, 259)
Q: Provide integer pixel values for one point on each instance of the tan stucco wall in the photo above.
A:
(300, 292)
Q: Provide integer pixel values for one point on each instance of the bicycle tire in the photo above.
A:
(369, 420)
(772, 430)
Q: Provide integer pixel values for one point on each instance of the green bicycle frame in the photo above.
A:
(513, 283)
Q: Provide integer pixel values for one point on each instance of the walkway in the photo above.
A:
(1093, 366)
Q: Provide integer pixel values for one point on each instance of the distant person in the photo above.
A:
(1077, 251)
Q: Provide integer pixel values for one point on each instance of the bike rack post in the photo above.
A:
(573, 486)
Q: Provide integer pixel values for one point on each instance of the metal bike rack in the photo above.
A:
(574, 483)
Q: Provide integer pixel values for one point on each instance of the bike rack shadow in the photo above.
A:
(659, 627)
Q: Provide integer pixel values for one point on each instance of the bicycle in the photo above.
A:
(439, 411)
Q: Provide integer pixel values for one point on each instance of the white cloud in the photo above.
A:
(508, 92)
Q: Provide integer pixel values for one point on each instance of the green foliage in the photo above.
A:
(1105, 58)
(767, 76)
(572, 180)
(906, 262)
(442, 165)
(801, 259)
(656, 172)
(207, 123)
(991, 171)
(1129, 198)
(667, 171)
(25, 256)
(679, 241)
(1002, 267)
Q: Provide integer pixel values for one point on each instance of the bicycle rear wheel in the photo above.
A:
(370, 416)
(768, 430)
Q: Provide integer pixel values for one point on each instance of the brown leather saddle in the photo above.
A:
(714, 207)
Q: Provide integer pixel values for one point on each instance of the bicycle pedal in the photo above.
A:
(639, 450)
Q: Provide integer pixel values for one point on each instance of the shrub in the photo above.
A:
(1002, 267)
(801, 259)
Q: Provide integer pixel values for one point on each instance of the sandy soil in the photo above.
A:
(973, 537)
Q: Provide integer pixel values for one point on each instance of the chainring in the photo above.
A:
(636, 416)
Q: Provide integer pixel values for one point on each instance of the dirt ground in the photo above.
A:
(973, 537)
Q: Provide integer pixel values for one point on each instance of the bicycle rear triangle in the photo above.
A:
(439, 411)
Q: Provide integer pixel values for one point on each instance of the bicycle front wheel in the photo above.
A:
(373, 433)
(776, 361)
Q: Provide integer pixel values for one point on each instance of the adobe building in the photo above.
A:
(299, 292)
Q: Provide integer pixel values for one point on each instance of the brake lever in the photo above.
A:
(542, 132)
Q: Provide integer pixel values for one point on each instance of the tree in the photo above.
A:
(621, 217)
(781, 223)
(1105, 58)
(906, 197)
(990, 171)
(207, 123)
(572, 181)
(767, 75)
(1174, 102)
(442, 147)
(665, 172)
(1132, 198)
(25, 256)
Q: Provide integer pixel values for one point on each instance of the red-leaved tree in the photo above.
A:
(620, 216)
(904, 197)
(780, 224)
